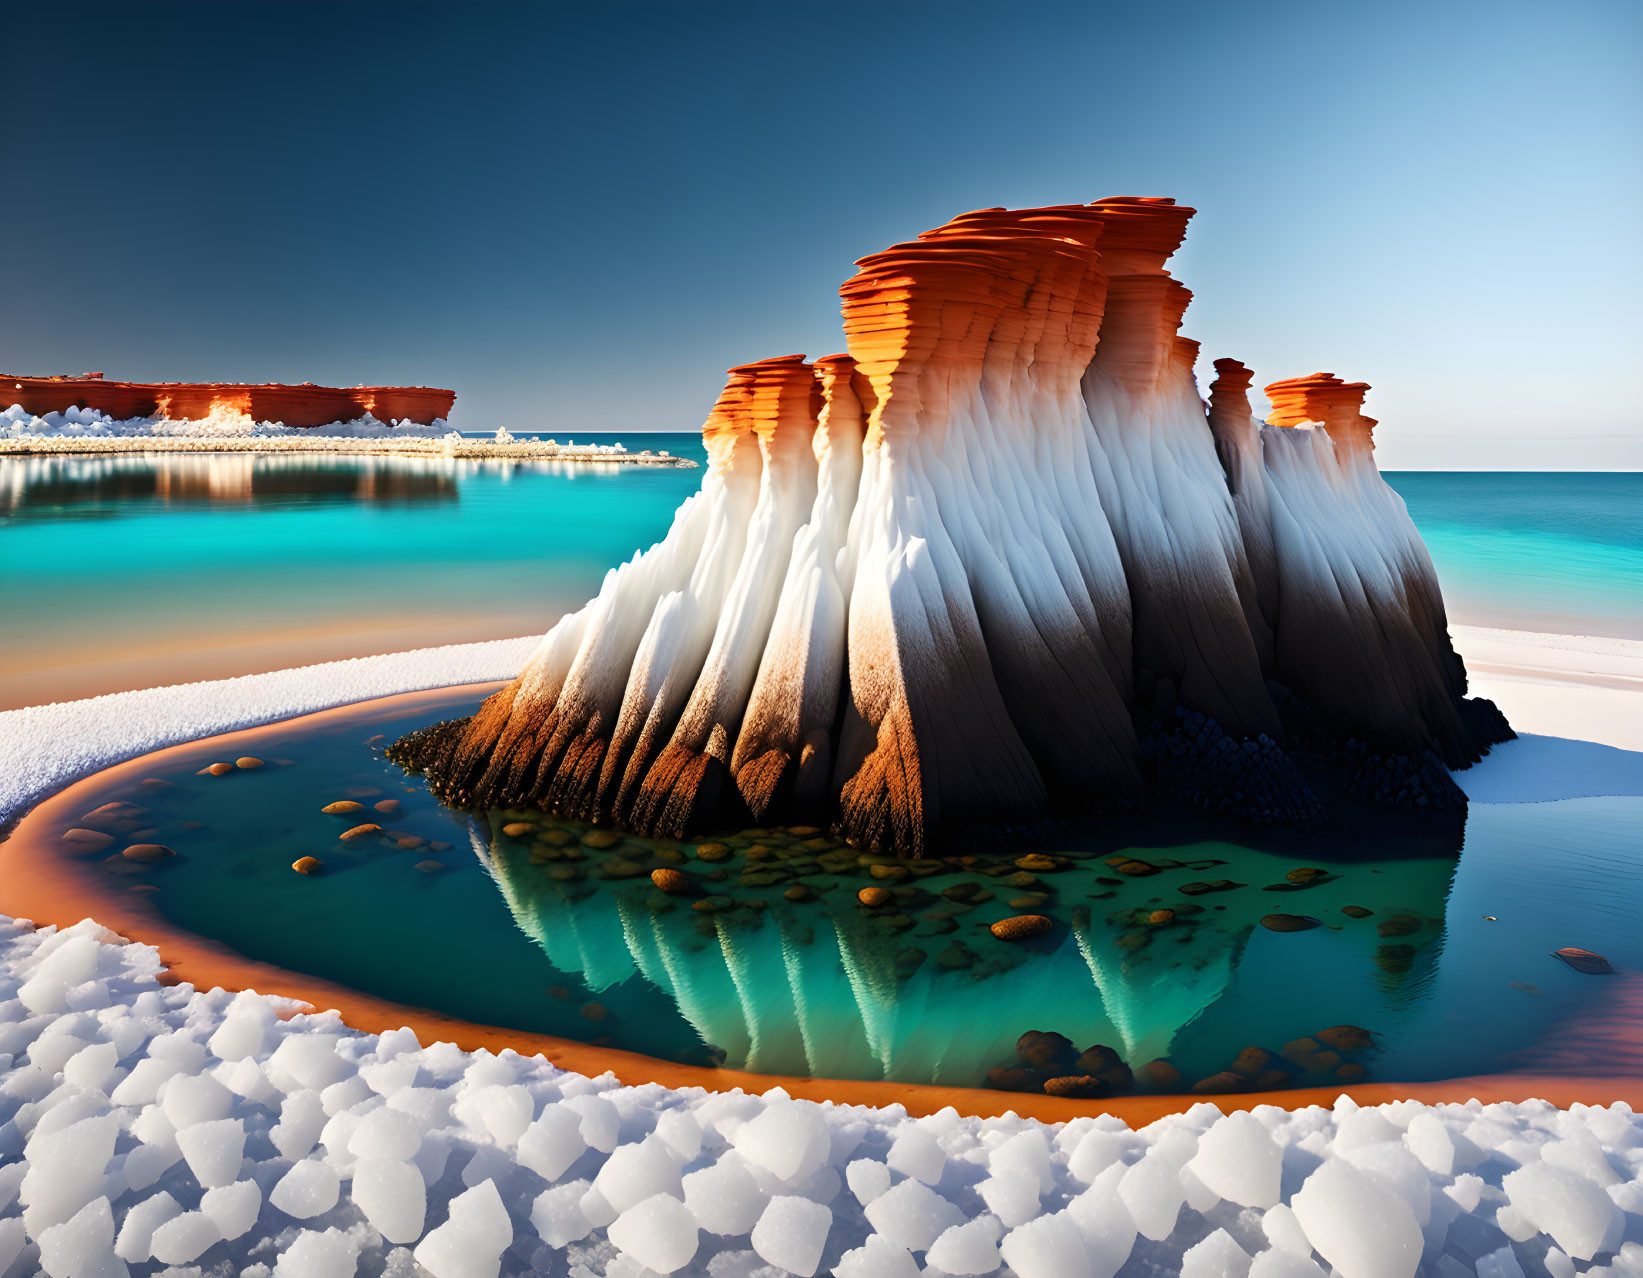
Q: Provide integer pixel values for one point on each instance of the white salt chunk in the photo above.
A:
(1095, 1152)
(867, 1179)
(70, 963)
(233, 1208)
(878, 1257)
(66, 1172)
(1501, 1263)
(1391, 1163)
(1152, 1192)
(302, 1119)
(385, 1134)
(1580, 1153)
(1012, 1198)
(601, 1124)
(471, 1241)
(1049, 1247)
(195, 1098)
(241, 1035)
(345, 1095)
(787, 1138)
(792, 1233)
(1558, 1265)
(636, 1172)
(553, 1142)
(1429, 1141)
(659, 1232)
(137, 1230)
(912, 1215)
(214, 1150)
(970, 1248)
(184, 1238)
(681, 1133)
(1026, 1153)
(594, 1206)
(1238, 1160)
(12, 1242)
(915, 1153)
(1279, 1263)
(1574, 1211)
(557, 1214)
(306, 1062)
(82, 1245)
(502, 1111)
(723, 1198)
(1217, 1256)
(1360, 1227)
(92, 1067)
(309, 1189)
(1284, 1231)
(1467, 1191)
(392, 1196)
(332, 1254)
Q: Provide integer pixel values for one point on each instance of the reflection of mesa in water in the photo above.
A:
(225, 478)
(825, 989)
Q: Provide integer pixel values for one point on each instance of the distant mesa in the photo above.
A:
(999, 560)
(301, 406)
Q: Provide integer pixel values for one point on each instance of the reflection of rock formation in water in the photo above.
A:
(226, 478)
(995, 556)
(827, 989)
(304, 405)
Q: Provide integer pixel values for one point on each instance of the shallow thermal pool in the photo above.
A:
(1425, 961)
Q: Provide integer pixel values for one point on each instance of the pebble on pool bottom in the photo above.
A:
(145, 1127)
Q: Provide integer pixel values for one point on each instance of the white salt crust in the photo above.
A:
(148, 1129)
(144, 1126)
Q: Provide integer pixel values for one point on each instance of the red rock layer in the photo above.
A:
(1323, 397)
(300, 406)
(1144, 305)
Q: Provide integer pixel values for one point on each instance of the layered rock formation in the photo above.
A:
(996, 559)
(302, 406)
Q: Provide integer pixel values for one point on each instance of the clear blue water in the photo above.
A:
(137, 570)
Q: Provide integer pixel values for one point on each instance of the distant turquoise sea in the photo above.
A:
(116, 571)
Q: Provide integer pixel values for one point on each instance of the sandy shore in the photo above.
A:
(1550, 686)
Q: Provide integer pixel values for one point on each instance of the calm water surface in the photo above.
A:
(1430, 957)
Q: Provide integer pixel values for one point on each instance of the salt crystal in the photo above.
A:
(867, 1179)
(659, 1232)
(1152, 1192)
(1429, 1141)
(636, 1172)
(344, 1095)
(553, 1142)
(1501, 1263)
(791, 1234)
(239, 1036)
(70, 963)
(233, 1208)
(1026, 1153)
(195, 1098)
(1360, 1227)
(81, 1245)
(912, 1215)
(137, 1230)
(309, 1189)
(681, 1133)
(214, 1150)
(1238, 1160)
(787, 1138)
(92, 1067)
(1049, 1247)
(392, 1196)
(1278, 1263)
(723, 1198)
(1284, 1231)
(332, 1254)
(601, 1124)
(471, 1242)
(877, 1258)
(184, 1238)
(970, 1248)
(306, 1062)
(302, 1118)
(557, 1214)
(1094, 1153)
(1467, 1191)
(66, 1172)
(1216, 1256)
(1013, 1199)
(385, 1134)
(915, 1153)
(1574, 1211)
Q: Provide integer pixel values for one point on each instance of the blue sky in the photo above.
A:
(578, 217)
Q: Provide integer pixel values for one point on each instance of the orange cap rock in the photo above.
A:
(1325, 398)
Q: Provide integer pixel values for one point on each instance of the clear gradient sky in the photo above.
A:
(579, 215)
